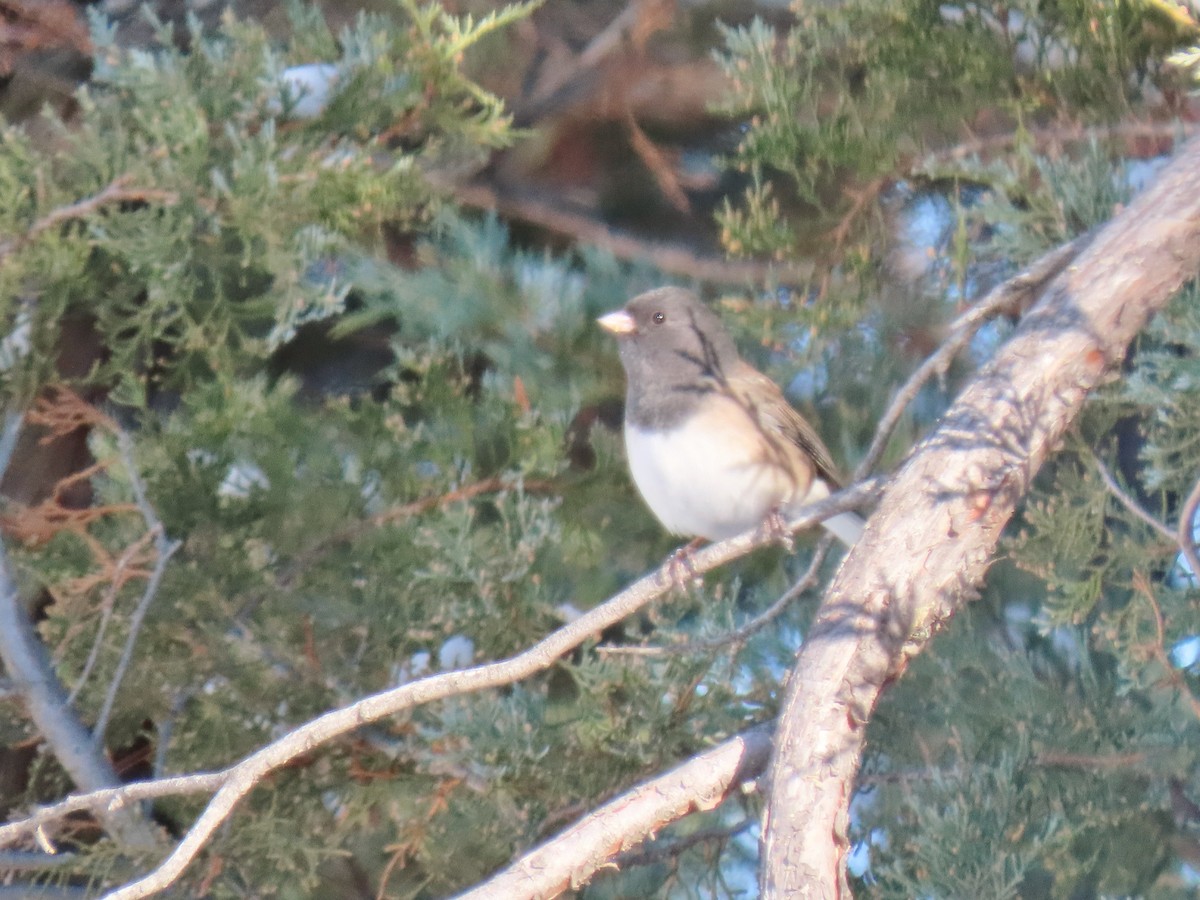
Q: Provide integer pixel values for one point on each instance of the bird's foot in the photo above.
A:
(681, 567)
(775, 528)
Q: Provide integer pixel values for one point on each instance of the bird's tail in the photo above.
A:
(847, 527)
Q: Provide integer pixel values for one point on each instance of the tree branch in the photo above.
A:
(116, 191)
(1007, 297)
(744, 632)
(1131, 504)
(930, 541)
(164, 549)
(569, 859)
(29, 667)
(234, 783)
(1186, 531)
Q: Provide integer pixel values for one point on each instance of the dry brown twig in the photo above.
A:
(233, 783)
(1158, 649)
(60, 412)
(986, 507)
(116, 191)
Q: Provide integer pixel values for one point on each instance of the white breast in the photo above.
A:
(705, 479)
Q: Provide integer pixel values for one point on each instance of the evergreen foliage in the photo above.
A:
(340, 536)
(1041, 745)
(1038, 747)
(852, 88)
(219, 231)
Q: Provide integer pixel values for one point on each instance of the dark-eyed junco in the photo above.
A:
(713, 445)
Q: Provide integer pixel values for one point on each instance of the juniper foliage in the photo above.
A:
(1042, 746)
(343, 530)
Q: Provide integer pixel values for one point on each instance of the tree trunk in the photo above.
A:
(930, 541)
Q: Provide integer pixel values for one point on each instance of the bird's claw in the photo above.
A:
(681, 567)
(775, 527)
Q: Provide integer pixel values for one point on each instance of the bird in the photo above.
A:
(713, 446)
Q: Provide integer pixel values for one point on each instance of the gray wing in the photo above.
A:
(776, 416)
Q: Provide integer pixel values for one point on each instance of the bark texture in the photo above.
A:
(570, 859)
(928, 544)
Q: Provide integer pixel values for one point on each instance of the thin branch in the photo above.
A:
(658, 853)
(1171, 673)
(1003, 298)
(165, 548)
(1130, 503)
(107, 605)
(145, 507)
(572, 857)
(166, 730)
(1186, 535)
(238, 780)
(744, 632)
(117, 191)
(932, 537)
(768, 615)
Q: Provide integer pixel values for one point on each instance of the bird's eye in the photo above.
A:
(659, 317)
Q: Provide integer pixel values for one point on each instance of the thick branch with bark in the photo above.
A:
(929, 543)
(235, 782)
(569, 859)
(926, 548)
